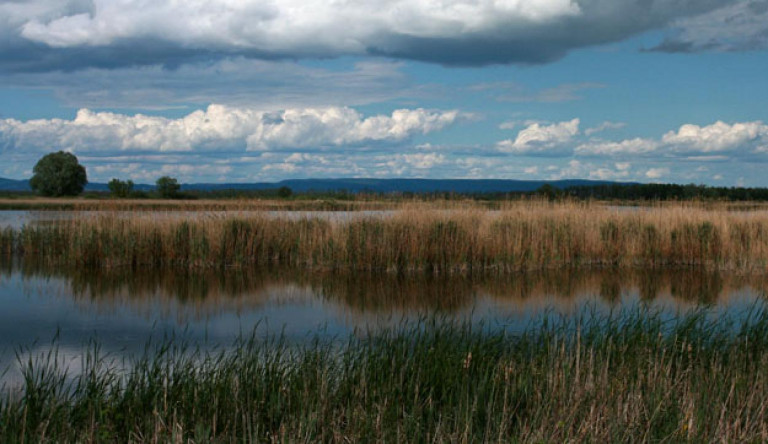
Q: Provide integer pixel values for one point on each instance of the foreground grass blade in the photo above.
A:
(622, 376)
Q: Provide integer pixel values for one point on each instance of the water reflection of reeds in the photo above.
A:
(200, 292)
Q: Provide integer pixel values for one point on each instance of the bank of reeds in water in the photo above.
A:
(360, 203)
(625, 377)
(521, 236)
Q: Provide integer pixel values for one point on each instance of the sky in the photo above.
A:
(257, 91)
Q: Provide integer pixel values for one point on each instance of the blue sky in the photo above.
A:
(226, 91)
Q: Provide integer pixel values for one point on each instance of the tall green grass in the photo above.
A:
(629, 376)
(522, 236)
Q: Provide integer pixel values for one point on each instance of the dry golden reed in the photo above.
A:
(419, 237)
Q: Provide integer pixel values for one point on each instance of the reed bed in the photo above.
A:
(520, 236)
(620, 377)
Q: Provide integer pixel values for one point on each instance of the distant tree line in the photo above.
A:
(666, 192)
(629, 192)
(60, 174)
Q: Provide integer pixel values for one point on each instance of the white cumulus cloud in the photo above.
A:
(717, 137)
(541, 139)
(656, 173)
(634, 146)
(715, 142)
(220, 128)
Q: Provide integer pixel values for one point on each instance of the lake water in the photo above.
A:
(18, 218)
(125, 309)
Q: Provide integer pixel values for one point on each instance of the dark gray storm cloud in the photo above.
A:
(742, 26)
(45, 35)
(237, 81)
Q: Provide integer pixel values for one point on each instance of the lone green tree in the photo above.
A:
(168, 187)
(58, 174)
(120, 188)
(284, 192)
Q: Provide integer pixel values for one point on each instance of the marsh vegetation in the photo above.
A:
(619, 377)
(597, 351)
(521, 236)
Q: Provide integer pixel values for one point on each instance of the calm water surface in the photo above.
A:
(125, 309)
(18, 218)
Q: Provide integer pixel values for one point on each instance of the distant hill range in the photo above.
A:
(14, 185)
(357, 185)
